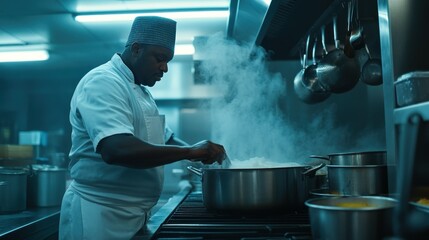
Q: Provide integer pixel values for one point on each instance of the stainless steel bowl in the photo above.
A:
(351, 217)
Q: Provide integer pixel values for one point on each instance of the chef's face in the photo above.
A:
(151, 64)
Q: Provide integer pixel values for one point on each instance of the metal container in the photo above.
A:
(357, 180)
(351, 217)
(355, 158)
(412, 88)
(261, 189)
(46, 185)
(13, 190)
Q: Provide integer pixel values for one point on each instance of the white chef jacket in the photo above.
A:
(111, 201)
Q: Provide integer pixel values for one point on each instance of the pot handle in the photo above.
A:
(321, 157)
(312, 171)
(196, 171)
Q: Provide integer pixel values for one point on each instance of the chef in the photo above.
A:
(120, 141)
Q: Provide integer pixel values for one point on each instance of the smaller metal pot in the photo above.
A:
(355, 158)
(46, 185)
(351, 217)
(358, 180)
(13, 190)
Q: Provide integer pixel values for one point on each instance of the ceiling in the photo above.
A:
(76, 47)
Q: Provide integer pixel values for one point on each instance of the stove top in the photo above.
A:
(191, 220)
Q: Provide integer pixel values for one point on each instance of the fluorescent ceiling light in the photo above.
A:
(23, 56)
(184, 49)
(111, 17)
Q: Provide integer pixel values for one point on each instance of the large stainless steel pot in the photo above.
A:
(351, 217)
(13, 190)
(258, 189)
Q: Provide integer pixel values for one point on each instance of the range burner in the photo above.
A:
(191, 220)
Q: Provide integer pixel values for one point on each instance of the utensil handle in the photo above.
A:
(195, 170)
(312, 171)
(321, 157)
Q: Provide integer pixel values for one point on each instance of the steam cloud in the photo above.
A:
(248, 118)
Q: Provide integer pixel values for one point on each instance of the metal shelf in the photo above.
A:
(401, 114)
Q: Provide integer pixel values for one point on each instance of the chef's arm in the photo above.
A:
(173, 140)
(129, 151)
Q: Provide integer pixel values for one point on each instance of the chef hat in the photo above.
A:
(153, 30)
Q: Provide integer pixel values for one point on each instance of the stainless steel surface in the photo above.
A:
(331, 219)
(355, 158)
(46, 186)
(412, 88)
(287, 23)
(388, 88)
(13, 192)
(257, 189)
(32, 223)
(246, 19)
(358, 180)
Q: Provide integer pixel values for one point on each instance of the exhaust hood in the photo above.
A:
(279, 26)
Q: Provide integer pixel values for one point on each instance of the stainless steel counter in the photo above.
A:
(43, 223)
(33, 223)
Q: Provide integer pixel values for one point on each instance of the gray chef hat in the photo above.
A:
(153, 30)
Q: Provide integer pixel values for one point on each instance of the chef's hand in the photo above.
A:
(207, 152)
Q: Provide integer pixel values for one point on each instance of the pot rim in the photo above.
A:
(259, 168)
(359, 153)
(388, 203)
(12, 172)
(357, 166)
(47, 168)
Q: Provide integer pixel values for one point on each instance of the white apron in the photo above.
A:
(117, 219)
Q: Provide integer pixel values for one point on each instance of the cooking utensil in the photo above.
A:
(306, 84)
(358, 180)
(357, 37)
(355, 158)
(411, 88)
(337, 72)
(371, 70)
(351, 218)
(261, 189)
(348, 48)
